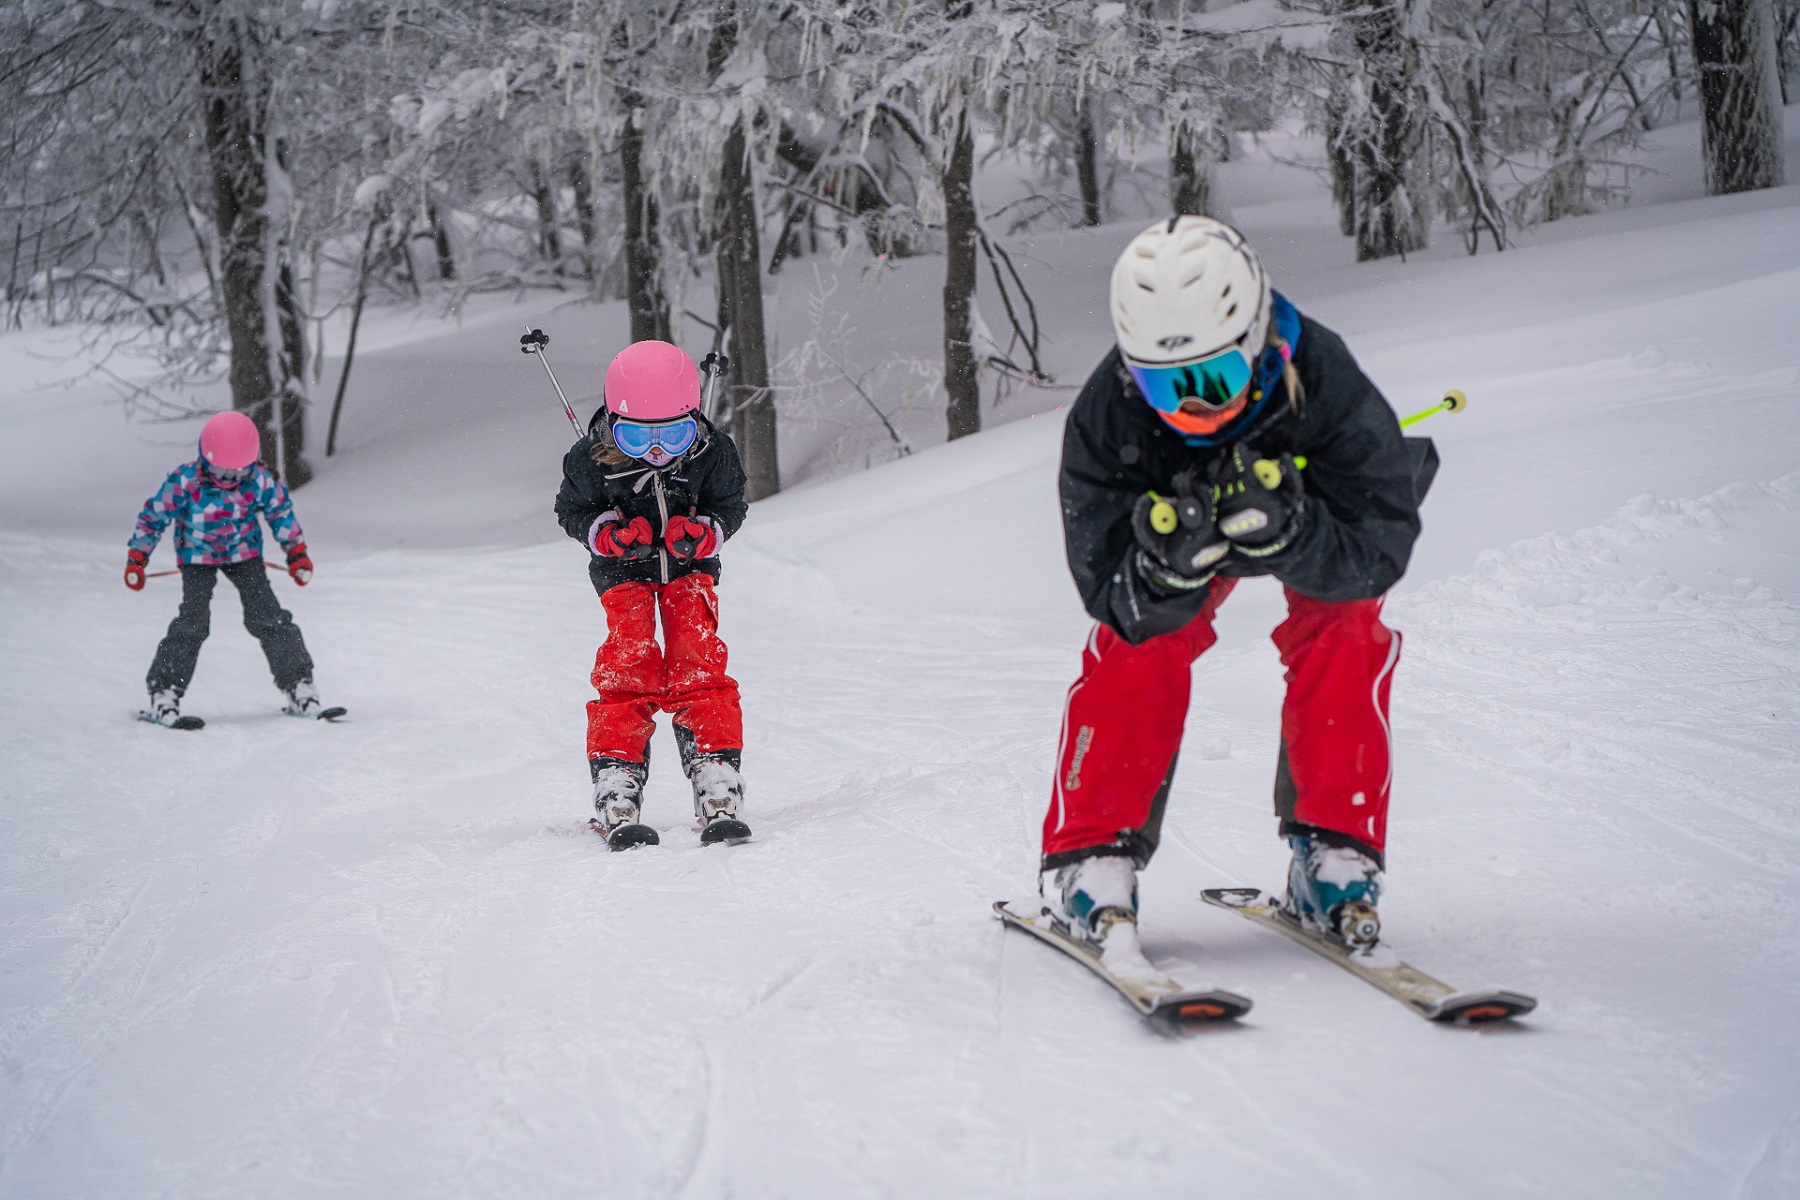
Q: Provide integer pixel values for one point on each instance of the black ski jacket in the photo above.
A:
(707, 481)
(1363, 484)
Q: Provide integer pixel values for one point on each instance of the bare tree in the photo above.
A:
(1740, 93)
(251, 198)
(961, 382)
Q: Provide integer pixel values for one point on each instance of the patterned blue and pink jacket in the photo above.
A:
(216, 526)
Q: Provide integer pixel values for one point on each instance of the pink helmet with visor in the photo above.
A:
(652, 381)
(229, 441)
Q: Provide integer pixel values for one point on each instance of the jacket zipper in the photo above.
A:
(662, 507)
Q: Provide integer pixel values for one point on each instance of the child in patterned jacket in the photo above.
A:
(214, 502)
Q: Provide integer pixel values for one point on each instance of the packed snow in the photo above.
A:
(388, 958)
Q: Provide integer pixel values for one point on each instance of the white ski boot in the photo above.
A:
(1095, 901)
(718, 791)
(618, 795)
(303, 701)
(165, 709)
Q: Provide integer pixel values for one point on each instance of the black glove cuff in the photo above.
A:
(1296, 526)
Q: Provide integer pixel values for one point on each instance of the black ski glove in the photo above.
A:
(1261, 502)
(1178, 549)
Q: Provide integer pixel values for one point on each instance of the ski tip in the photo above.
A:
(1482, 1007)
(728, 830)
(333, 713)
(1200, 1008)
(626, 837)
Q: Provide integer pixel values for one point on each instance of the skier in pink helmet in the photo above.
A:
(653, 491)
(214, 502)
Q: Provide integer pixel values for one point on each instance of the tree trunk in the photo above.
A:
(962, 384)
(1384, 135)
(1740, 106)
(1086, 170)
(256, 285)
(581, 184)
(1343, 169)
(543, 194)
(752, 404)
(1190, 176)
(440, 240)
(643, 254)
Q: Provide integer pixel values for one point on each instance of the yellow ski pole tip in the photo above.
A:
(1455, 400)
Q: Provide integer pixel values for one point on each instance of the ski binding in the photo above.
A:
(1377, 965)
(1154, 994)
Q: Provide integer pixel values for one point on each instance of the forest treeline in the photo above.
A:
(206, 181)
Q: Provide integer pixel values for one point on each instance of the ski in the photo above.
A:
(1152, 993)
(729, 830)
(625, 836)
(172, 722)
(324, 714)
(1431, 998)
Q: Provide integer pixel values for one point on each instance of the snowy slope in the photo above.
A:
(386, 959)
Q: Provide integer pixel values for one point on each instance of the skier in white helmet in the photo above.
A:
(1227, 436)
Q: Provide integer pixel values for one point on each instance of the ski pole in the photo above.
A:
(1163, 517)
(713, 366)
(533, 342)
(1453, 401)
(177, 570)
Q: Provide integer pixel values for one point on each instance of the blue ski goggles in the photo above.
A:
(638, 438)
(1216, 381)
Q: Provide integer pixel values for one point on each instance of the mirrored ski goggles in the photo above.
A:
(637, 438)
(1215, 381)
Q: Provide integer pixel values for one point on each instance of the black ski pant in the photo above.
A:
(267, 621)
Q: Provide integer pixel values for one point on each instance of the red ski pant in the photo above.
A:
(1123, 721)
(685, 677)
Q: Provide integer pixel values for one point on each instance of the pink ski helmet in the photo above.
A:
(229, 441)
(652, 381)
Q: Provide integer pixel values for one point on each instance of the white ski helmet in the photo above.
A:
(1186, 290)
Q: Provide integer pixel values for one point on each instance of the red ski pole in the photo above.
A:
(177, 570)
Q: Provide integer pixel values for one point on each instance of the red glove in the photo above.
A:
(614, 537)
(135, 562)
(691, 537)
(299, 566)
